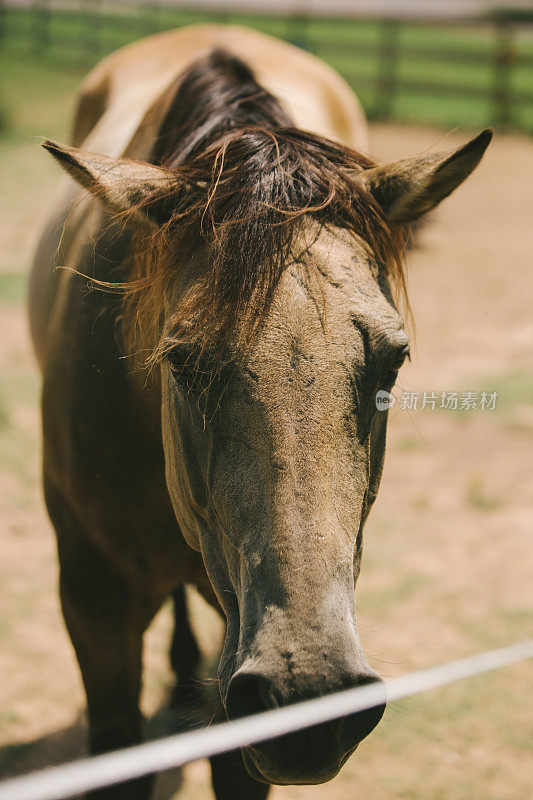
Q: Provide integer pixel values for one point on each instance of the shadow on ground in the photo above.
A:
(69, 744)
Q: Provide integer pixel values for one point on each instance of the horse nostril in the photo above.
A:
(248, 694)
(360, 724)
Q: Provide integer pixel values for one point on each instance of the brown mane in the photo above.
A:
(249, 181)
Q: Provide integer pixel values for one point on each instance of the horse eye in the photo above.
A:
(397, 364)
(192, 371)
(179, 359)
(403, 354)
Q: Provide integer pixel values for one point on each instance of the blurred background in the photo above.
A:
(448, 556)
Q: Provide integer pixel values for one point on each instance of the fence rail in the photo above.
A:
(59, 783)
(495, 54)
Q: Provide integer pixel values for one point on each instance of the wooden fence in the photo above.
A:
(499, 58)
(501, 61)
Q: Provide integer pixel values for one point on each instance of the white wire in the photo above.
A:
(58, 783)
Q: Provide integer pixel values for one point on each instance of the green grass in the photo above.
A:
(38, 95)
(410, 444)
(12, 288)
(514, 388)
(512, 406)
(71, 42)
(4, 415)
(477, 496)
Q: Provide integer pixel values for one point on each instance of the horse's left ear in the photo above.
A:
(147, 191)
(408, 189)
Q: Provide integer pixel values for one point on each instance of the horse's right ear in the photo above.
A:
(147, 191)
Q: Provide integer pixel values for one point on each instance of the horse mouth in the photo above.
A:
(292, 760)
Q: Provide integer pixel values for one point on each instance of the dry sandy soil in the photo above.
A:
(448, 557)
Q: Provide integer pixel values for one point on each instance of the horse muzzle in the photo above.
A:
(310, 756)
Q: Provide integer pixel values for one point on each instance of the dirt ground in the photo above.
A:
(448, 557)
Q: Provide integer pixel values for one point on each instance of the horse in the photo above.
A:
(211, 354)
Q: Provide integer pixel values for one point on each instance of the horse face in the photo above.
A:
(273, 463)
(273, 482)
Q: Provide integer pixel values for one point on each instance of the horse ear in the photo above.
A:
(409, 188)
(149, 192)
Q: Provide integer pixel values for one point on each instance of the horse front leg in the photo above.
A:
(231, 780)
(106, 619)
(229, 775)
(185, 654)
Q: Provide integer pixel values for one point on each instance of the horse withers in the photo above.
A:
(215, 422)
